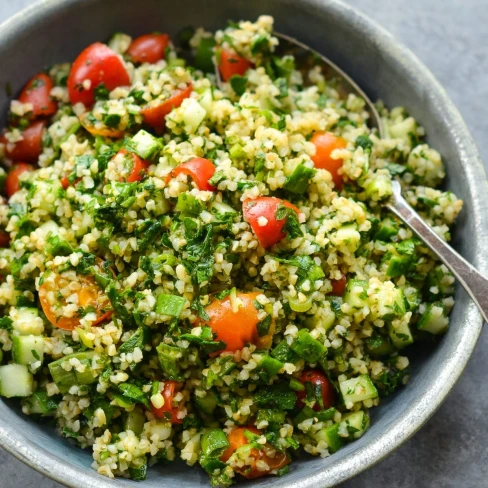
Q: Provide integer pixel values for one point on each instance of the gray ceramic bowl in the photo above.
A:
(57, 30)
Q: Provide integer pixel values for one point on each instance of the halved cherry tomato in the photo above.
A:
(261, 214)
(30, 147)
(12, 184)
(4, 238)
(199, 169)
(339, 286)
(320, 382)
(237, 439)
(237, 327)
(232, 64)
(37, 92)
(325, 143)
(133, 164)
(149, 48)
(154, 114)
(95, 65)
(90, 297)
(168, 410)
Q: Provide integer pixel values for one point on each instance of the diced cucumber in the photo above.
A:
(412, 296)
(66, 379)
(387, 303)
(356, 294)
(297, 182)
(387, 229)
(135, 420)
(27, 349)
(379, 187)
(347, 237)
(119, 42)
(378, 346)
(356, 423)
(434, 319)
(206, 100)
(222, 208)
(193, 115)
(16, 381)
(358, 389)
(187, 204)
(398, 266)
(208, 403)
(26, 321)
(145, 145)
(401, 336)
(331, 436)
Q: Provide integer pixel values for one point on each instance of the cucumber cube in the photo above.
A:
(145, 145)
(332, 437)
(16, 381)
(356, 294)
(400, 335)
(358, 389)
(356, 423)
(434, 319)
(346, 237)
(26, 321)
(27, 349)
(135, 420)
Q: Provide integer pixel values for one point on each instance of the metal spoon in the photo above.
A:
(308, 58)
(469, 277)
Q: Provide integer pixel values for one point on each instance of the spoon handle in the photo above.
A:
(469, 277)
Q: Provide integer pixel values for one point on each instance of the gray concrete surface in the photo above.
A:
(451, 451)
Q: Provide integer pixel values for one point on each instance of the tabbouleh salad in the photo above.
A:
(201, 271)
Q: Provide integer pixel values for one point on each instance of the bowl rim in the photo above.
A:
(68, 474)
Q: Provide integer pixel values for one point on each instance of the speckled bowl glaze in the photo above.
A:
(53, 31)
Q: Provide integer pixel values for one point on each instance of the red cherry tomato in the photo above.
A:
(138, 166)
(319, 381)
(30, 147)
(199, 169)
(261, 214)
(149, 48)
(37, 92)
(12, 184)
(232, 64)
(168, 410)
(154, 114)
(98, 64)
(325, 143)
(339, 286)
(238, 439)
(4, 238)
